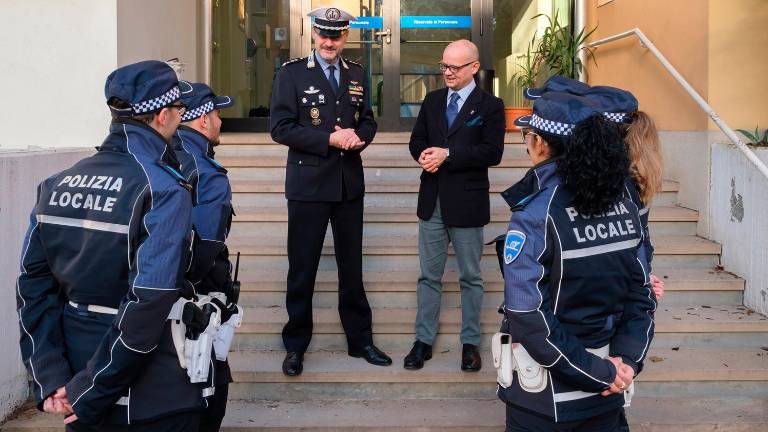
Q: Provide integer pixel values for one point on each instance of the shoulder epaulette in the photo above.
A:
(296, 60)
(353, 62)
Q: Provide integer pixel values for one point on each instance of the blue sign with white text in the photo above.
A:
(436, 21)
(367, 23)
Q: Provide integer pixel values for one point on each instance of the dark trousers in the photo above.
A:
(183, 422)
(522, 420)
(307, 224)
(210, 420)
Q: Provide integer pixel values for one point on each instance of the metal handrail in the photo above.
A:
(693, 93)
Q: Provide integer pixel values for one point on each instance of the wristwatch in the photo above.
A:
(447, 155)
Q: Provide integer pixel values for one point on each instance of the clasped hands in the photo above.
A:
(431, 158)
(58, 403)
(624, 376)
(345, 139)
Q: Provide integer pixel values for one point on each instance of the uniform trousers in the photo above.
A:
(183, 422)
(434, 237)
(307, 225)
(522, 420)
(210, 419)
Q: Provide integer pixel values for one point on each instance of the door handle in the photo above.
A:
(387, 33)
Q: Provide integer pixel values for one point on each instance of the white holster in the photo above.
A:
(507, 359)
(194, 355)
(503, 361)
(222, 342)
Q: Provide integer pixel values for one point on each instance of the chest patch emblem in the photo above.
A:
(513, 245)
(311, 90)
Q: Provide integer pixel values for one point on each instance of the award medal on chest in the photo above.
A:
(315, 114)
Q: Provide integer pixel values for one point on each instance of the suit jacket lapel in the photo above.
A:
(343, 78)
(442, 121)
(468, 109)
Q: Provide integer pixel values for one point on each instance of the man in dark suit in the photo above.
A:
(321, 110)
(459, 134)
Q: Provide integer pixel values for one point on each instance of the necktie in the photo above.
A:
(332, 79)
(453, 109)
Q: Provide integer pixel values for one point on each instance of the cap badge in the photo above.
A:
(332, 14)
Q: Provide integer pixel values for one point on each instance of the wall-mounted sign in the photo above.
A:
(367, 23)
(436, 22)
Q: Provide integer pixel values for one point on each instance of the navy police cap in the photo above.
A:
(557, 83)
(557, 113)
(330, 21)
(200, 99)
(616, 104)
(146, 86)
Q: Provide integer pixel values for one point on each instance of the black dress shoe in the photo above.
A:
(372, 355)
(293, 364)
(470, 358)
(420, 353)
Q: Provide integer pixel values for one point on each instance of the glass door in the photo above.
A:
(400, 42)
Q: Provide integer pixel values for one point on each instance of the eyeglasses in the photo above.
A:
(444, 67)
(181, 107)
(526, 132)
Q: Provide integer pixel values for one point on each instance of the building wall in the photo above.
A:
(20, 171)
(679, 28)
(738, 66)
(738, 209)
(56, 55)
(161, 30)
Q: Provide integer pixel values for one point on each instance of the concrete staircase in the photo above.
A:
(707, 369)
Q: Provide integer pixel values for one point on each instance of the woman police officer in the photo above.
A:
(578, 304)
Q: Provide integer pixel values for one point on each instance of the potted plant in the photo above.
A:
(555, 53)
(524, 78)
(755, 138)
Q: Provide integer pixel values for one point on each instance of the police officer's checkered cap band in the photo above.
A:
(155, 104)
(324, 27)
(197, 112)
(552, 127)
(616, 117)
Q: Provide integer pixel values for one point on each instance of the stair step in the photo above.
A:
(278, 186)
(692, 319)
(408, 245)
(408, 214)
(663, 365)
(691, 287)
(450, 415)
(327, 281)
(263, 155)
(380, 138)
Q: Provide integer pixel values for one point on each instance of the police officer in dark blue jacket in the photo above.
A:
(211, 268)
(103, 264)
(578, 306)
(618, 106)
(321, 110)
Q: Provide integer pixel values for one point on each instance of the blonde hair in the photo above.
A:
(645, 153)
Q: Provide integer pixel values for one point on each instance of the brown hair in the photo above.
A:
(644, 146)
(121, 104)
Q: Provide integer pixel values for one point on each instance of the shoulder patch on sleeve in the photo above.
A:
(513, 245)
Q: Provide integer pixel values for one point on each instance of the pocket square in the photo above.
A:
(477, 121)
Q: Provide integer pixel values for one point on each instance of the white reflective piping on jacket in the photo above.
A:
(643, 211)
(578, 394)
(597, 250)
(83, 223)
